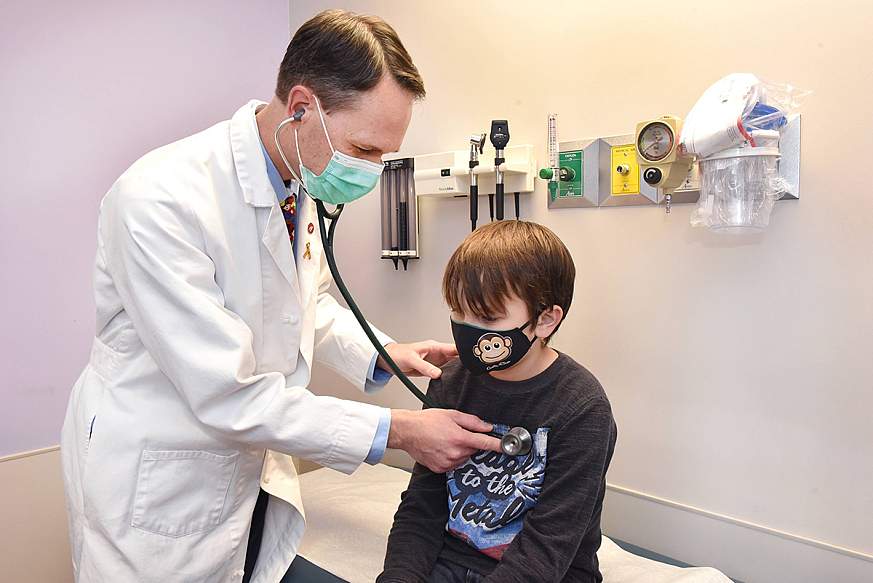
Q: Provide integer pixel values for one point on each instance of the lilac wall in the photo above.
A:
(86, 88)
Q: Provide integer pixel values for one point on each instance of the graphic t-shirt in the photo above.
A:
(490, 494)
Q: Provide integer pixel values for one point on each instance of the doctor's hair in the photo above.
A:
(338, 54)
(506, 258)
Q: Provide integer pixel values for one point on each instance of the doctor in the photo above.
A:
(212, 310)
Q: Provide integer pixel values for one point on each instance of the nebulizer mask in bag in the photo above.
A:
(734, 130)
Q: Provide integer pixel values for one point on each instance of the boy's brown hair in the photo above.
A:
(505, 258)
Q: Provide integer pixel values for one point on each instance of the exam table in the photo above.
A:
(348, 519)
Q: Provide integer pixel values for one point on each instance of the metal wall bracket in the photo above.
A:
(789, 168)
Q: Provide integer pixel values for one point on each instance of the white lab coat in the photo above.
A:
(196, 384)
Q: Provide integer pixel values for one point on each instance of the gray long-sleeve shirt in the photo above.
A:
(514, 519)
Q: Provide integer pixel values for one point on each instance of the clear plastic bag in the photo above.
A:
(737, 193)
(773, 103)
(735, 132)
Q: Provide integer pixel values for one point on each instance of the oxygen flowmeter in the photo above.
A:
(555, 173)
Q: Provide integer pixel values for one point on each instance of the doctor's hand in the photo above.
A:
(419, 358)
(441, 439)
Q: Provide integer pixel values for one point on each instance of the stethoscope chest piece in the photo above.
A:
(516, 441)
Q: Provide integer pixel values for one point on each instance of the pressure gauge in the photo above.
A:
(656, 141)
(664, 165)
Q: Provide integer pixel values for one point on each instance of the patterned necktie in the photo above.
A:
(289, 211)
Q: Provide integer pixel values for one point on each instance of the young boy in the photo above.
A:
(529, 518)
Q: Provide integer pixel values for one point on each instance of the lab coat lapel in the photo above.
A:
(248, 159)
(257, 190)
(275, 239)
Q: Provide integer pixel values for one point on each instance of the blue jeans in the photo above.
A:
(448, 572)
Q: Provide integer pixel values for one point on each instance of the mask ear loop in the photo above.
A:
(324, 127)
(294, 118)
(534, 322)
(279, 128)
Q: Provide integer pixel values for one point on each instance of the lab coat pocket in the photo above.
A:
(182, 492)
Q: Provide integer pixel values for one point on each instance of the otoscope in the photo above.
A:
(477, 142)
(517, 441)
(499, 139)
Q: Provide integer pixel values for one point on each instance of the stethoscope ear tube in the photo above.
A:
(515, 442)
(327, 241)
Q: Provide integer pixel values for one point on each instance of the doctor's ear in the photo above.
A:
(299, 100)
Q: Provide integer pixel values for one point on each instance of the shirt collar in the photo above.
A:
(275, 177)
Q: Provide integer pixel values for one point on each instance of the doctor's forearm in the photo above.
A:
(400, 427)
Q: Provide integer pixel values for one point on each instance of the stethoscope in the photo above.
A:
(516, 441)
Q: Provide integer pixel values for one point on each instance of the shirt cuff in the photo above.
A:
(380, 442)
(376, 377)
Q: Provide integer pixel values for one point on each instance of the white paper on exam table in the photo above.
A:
(348, 519)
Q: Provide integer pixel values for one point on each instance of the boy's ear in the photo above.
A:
(548, 321)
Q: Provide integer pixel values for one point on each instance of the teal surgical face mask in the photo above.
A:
(344, 179)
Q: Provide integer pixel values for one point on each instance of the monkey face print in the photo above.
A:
(482, 351)
(493, 348)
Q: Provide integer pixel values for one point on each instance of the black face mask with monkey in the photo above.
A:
(482, 350)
